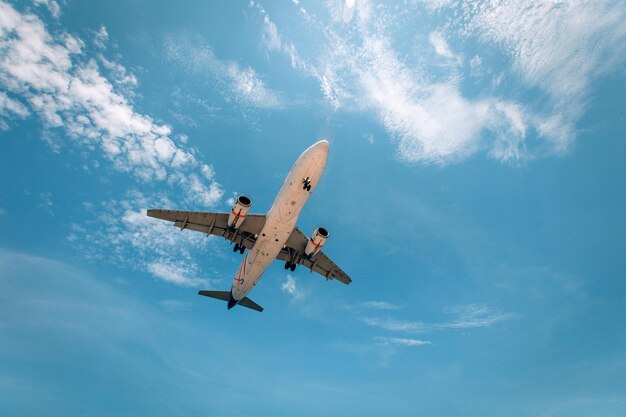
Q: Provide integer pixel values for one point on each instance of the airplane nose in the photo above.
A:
(322, 145)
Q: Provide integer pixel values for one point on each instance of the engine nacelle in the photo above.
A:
(318, 239)
(239, 212)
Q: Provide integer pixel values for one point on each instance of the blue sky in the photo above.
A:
(474, 192)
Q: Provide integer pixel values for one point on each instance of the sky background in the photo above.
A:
(475, 193)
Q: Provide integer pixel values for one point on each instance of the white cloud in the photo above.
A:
(271, 38)
(52, 5)
(348, 10)
(10, 109)
(241, 85)
(122, 234)
(289, 287)
(101, 37)
(45, 201)
(433, 5)
(474, 315)
(380, 305)
(68, 91)
(400, 341)
(559, 46)
(395, 325)
(119, 76)
(428, 117)
(179, 273)
(468, 316)
(440, 44)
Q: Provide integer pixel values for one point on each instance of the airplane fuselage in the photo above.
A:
(281, 219)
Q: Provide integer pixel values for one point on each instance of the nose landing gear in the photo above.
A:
(239, 248)
(306, 184)
(290, 265)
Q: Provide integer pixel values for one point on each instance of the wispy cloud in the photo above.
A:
(467, 316)
(289, 287)
(121, 233)
(400, 341)
(427, 115)
(441, 45)
(180, 273)
(474, 315)
(237, 84)
(395, 325)
(50, 75)
(348, 10)
(380, 305)
(271, 38)
(101, 38)
(45, 201)
(52, 5)
(10, 109)
(558, 47)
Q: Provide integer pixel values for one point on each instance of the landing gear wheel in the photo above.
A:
(242, 249)
(293, 267)
(236, 248)
(308, 187)
(287, 265)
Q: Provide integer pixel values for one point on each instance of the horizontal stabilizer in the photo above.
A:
(220, 295)
(226, 296)
(246, 302)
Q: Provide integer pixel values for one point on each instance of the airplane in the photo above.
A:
(270, 236)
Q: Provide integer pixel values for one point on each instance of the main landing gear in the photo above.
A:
(290, 265)
(306, 184)
(241, 248)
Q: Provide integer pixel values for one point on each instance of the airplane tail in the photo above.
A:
(228, 297)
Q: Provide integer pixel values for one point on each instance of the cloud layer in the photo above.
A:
(120, 232)
(422, 97)
(49, 74)
(464, 317)
(240, 85)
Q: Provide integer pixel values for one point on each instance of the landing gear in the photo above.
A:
(290, 265)
(306, 184)
(240, 248)
(236, 247)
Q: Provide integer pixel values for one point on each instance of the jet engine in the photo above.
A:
(316, 242)
(239, 212)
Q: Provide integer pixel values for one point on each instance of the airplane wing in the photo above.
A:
(319, 263)
(214, 224)
(217, 224)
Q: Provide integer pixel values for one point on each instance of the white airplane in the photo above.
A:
(268, 237)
